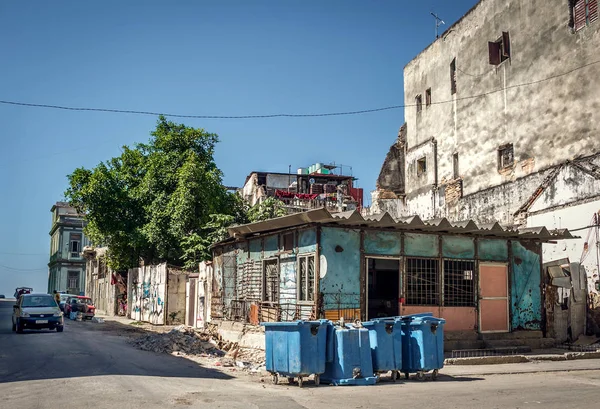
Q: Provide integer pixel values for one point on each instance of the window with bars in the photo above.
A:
(75, 244)
(271, 280)
(422, 281)
(306, 278)
(459, 283)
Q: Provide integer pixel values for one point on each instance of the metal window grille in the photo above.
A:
(422, 281)
(271, 280)
(306, 284)
(459, 283)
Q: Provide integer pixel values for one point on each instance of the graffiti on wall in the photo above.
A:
(149, 285)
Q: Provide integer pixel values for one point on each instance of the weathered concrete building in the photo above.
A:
(107, 288)
(66, 268)
(500, 124)
(485, 280)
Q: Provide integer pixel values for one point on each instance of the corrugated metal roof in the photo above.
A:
(353, 218)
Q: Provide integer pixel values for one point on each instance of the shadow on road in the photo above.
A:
(85, 349)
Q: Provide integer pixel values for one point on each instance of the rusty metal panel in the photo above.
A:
(458, 247)
(526, 294)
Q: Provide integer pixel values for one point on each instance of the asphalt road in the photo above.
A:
(84, 368)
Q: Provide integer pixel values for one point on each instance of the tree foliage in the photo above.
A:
(267, 209)
(159, 201)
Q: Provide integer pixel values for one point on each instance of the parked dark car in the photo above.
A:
(2, 296)
(63, 300)
(81, 304)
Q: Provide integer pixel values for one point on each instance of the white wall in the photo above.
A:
(572, 217)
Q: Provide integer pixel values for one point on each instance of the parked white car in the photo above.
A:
(36, 311)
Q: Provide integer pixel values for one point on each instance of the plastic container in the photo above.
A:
(296, 349)
(385, 338)
(349, 359)
(422, 345)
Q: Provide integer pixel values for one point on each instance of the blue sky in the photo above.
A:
(240, 57)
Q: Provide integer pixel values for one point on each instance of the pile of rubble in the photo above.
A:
(187, 341)
(180, 339)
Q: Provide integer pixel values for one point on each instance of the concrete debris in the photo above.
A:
(97, 320)
(188, 341)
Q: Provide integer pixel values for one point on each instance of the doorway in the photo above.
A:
(493, 302)
(383, 287)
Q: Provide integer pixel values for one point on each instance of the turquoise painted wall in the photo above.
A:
(492, 250)
(526, 299)
(382, 243)
(307, 241)
(342, 274)
(458, 247)
(421, 245)
(271, 246)
(255, 249)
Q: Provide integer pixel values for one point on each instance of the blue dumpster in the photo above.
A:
(296, 349)
(348, 357)
(385, 336)
(422, 345)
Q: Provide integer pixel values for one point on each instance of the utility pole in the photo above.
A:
(438, 23)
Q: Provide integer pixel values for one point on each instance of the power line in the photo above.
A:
(19, 269)
(285, 115)
(23, 254)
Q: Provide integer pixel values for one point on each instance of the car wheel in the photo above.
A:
(60, 328)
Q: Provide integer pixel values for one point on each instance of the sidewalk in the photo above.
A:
(521, 368)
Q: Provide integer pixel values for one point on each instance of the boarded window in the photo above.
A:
(306, 278)
(584, 13)
(459, 283)
(506, 156)
(421, 166)
(453, 77)
(419, 103)
(422, 281)
(499, 50)
(271, 281)
(288, 241)
(428, 97)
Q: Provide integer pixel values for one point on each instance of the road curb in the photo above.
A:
(517, 359)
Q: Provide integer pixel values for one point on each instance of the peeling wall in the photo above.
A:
(391, 176)
(340, 267)
(382, 243)
(148, 288)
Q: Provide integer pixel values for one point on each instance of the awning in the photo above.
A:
(353, 218)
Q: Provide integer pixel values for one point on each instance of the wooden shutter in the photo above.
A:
(592, 10)
(505, 44)
(579, 14)
(494, 50)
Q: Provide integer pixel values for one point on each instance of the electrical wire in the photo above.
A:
(286, 115)
(19, 269)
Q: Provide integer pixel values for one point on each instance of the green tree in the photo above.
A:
(159, 201)
(267, 209)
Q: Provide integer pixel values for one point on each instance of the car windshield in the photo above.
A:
(63, 298)
(39, 301)
(84, 301)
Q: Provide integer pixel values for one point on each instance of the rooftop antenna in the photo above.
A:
(438, 23)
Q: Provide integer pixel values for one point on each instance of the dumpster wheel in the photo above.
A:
(420, 376)
(317, 379)
(300, 381)
(406, 375)
(434, 374)
(275, 378)
(395, 376)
